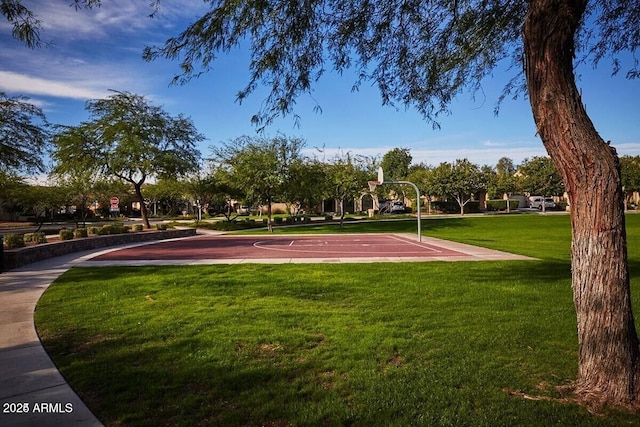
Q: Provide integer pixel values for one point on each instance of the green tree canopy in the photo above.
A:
(130, 139)
(23, 135)
(460, 180)
(348, 176)
(539, 176)
(260, 166)
(630, 166)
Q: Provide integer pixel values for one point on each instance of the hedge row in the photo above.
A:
(452, 207)
(14, 240)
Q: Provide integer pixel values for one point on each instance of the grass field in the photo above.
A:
(387, 344)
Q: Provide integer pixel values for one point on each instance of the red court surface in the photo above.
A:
(296, 248)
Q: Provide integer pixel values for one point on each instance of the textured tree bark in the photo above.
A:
(608, 371)
(143, 208)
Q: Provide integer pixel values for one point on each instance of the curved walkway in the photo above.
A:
(32, 390)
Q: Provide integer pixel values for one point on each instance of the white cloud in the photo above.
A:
(481, 156)
(628, 149)
(63, 22)
(22, 84)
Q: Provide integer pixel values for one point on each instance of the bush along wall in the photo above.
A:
(501, 205)
(15, 257)
(452, 207)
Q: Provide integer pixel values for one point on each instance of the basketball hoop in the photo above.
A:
(373, 185)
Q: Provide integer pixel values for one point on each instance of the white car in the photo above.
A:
(535, 202)
(397, 207)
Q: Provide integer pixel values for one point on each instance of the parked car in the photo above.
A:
(397, 207)
(244, 210)
(535, 202)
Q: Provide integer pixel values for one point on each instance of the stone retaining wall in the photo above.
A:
(15, 258)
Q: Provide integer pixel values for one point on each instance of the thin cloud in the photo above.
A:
(479, 155)
(20, 83)
(62, 22)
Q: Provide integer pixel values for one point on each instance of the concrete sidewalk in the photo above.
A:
(32, 390)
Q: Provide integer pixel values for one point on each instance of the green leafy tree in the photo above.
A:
(539, 175)
(169, 194)
(12, 186)
(23, 135)
(506, 181)
(260, 166)
(460, 180)
(80, 191)
(423, 176)
(42, 201)
(630, 166)
(308, 185)
(129, 139)
(203, 189)
(395, 164)
(227, 192)
(348, 176)
(423, 54)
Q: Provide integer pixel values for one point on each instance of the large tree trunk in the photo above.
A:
(608, 371)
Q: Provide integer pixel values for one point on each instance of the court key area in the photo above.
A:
(233, 249)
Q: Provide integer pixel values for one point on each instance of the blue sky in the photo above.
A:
(92, 51)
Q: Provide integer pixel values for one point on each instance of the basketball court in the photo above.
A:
(330, 248)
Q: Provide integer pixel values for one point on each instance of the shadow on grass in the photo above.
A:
(538, 271)
(182, 383)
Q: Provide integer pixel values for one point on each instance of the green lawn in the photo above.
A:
(386, 344)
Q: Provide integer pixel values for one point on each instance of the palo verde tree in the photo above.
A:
(130, 139)
(23, 135)
(423, 54)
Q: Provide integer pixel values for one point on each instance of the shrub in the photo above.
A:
(328, 217)
(35, 238)
(112, 229)
(452, 207)
(161, 227)
(278, 220)
(80, 232)
(66, 234)
(118, 229)
(94, 230)
(501, 205)
(137, 227)
(561, 206)
(14, 241)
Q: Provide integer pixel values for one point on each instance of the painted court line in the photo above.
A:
(236, 249)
